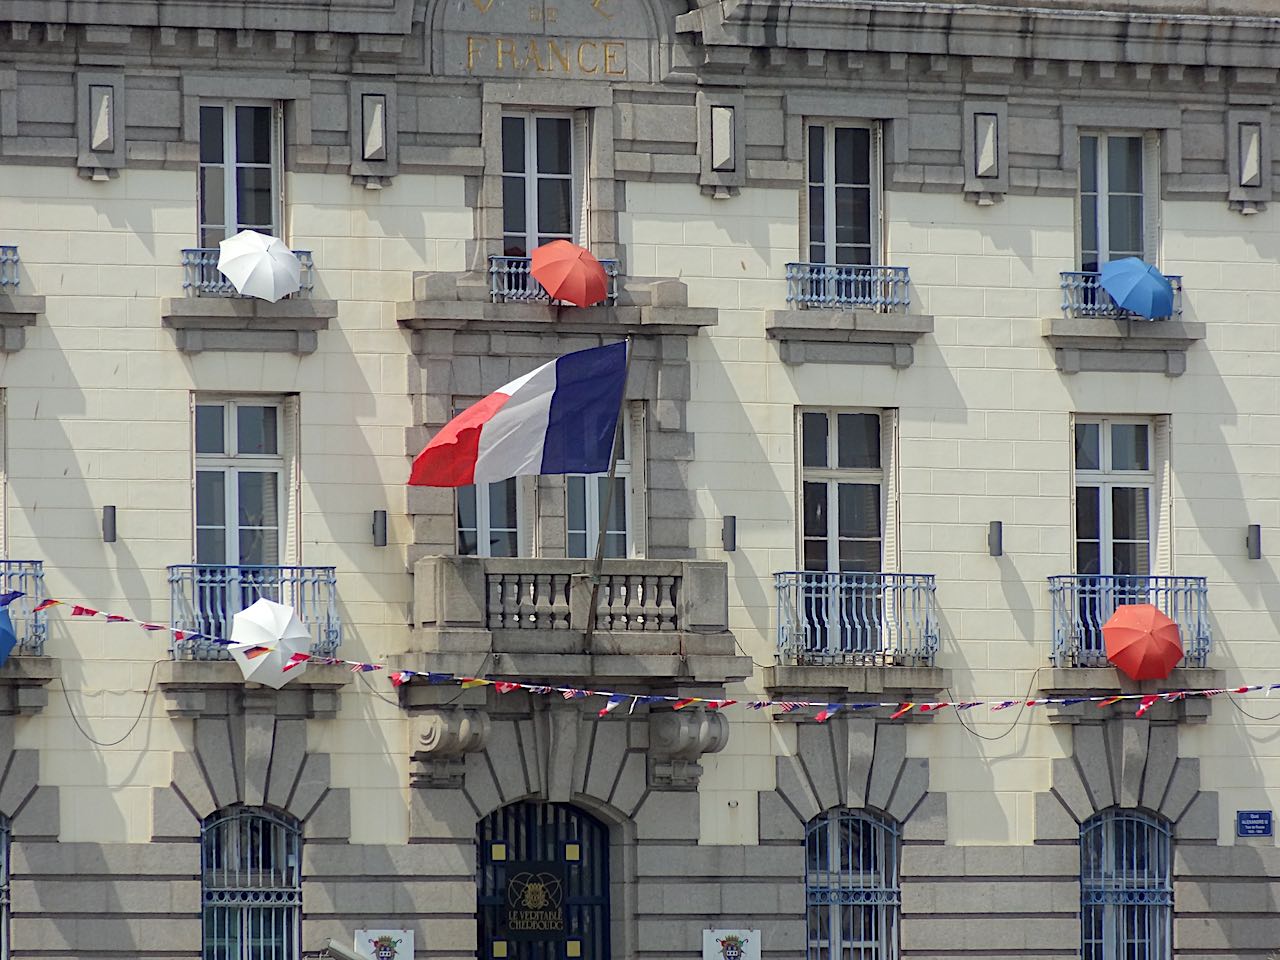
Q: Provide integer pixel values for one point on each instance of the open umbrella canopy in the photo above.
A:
(1142, 642)
(259, 265)
(264, 637)
(1138, 287)
(568, 272)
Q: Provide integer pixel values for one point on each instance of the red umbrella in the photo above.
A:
(569, 273)
(1142, 642)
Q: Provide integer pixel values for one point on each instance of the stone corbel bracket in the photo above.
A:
(441, 741)
(847, 336)
(677, 740)
(23, 685)
(247, 324)
(16, 314)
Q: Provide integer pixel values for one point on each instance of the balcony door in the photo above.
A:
(240, 185)
(543, 180)
(1115, 497)
(1118, 201)
(841, 200)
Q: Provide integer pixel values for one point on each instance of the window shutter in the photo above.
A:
(879, 243)
(291, 448)
(582, 176)
(277, 171)
(638, 450)
(1071, 492)
(4, 476)
(191, 420)
(889, 559)
(1160, 454)
(1151, 198)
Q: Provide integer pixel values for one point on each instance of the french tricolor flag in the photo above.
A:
(560, 418)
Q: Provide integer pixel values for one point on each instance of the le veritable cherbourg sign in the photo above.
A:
(611, 40)
(534, 908)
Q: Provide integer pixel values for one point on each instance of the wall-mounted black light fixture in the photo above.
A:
(1253, 541)
(995, 538)
(379, 528)
(729, 533)
(109, 524)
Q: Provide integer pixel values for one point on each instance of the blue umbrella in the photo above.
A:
(1138, 287)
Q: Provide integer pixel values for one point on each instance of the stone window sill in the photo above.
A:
(245, 324)
(16, 314)
(213, 688)
(847, 336)
(1122, 345)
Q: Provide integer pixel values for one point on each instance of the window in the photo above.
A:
(489, 519)
(1115, 492)
(585, 498)
(842, 509)
(1126, 889)
(539, 171)
(240, 184)
(251, 885)
(852, 895)
(1114, 214)
(842, 202)
(243, 482)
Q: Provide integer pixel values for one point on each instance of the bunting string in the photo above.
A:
(825, 710)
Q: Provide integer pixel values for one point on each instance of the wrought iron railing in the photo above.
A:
(30, 626)
(1083, 296)
(1082, 604)
(201, 277)
(204, 598)
(833, 285)
(511, 282)
(9, 269)
(856, 618)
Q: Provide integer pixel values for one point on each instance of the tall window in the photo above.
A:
(842, 195)
(537, 181)
(1126, 887)
(852, 895)
(1115, 494)
(240, 481)
(1112, 216)
(842, 481)
(489, 519)
(251, 884)
(586, 496)
(239, 170)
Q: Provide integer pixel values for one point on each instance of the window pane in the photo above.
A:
(858, 440)
(513, 144)
(466, 508)
(211, 147)
(853, 146)
(259, 546)
(502, 505)
(513, 205)
(1126, 227)
(1131, 558)
(555, 145)
(617, 505)
(1088, 512)
(1088, 454)
(211, 498)
(817, 139)
(815, 510)
(859, 510)
(256, 429)
(468, 545)
(213, 198)
(1089, 232)
(211, 546)
(1130, 516)
(210, 429)
(817, 220)
(576, 503)
(853, 215)
(555, 206)
(259, 499)
(813, 432)
(577, 545)
(1129, 446)
(859, 556)
(1124, 164)
(253, 135)
(502, 543)
(815, 554)
(1088, 559)
(253, 199)
(1089, 164)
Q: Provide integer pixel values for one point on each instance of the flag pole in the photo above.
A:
(598, 562)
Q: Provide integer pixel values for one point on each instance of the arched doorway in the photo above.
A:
(542, 883)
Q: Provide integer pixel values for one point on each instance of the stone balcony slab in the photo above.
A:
(847, 336)
(1122, 344)
(849, 683)
(1108, 681)
(245, 324)
(214, 688)
(16, 314)
(23, 683)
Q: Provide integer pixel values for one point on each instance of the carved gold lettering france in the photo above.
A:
(547, 55)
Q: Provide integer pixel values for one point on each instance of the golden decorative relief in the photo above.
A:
(482, 5)
(539, 55)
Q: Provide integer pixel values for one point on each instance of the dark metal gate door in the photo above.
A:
(566, 847)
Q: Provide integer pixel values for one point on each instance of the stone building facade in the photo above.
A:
(854, 245)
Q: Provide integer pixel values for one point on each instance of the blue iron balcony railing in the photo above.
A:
(856, 618)
(1083, 296)
(201, 277)
(511, 282)
(848, 286)
(1082, 604)
(204, 598)
(31, 627)
(9, 270)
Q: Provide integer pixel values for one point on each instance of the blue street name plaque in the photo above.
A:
(1254, 823)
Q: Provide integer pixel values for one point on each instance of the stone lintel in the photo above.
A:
(848, 683)
(22, 684)
(1108, 681)
(217, 688)
(247, 324)
(16, 314)
(1122, 344)
(847, 336)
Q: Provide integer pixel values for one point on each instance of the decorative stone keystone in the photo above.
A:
(442, 739)
(676, 742)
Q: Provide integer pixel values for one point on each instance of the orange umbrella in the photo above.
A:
(569, 273)
(1142, 642)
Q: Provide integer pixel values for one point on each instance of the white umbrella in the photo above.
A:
(259, 266)
(264, 637)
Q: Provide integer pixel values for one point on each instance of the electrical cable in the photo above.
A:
(1251, 716)
(133, 726)
(1016, 719)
